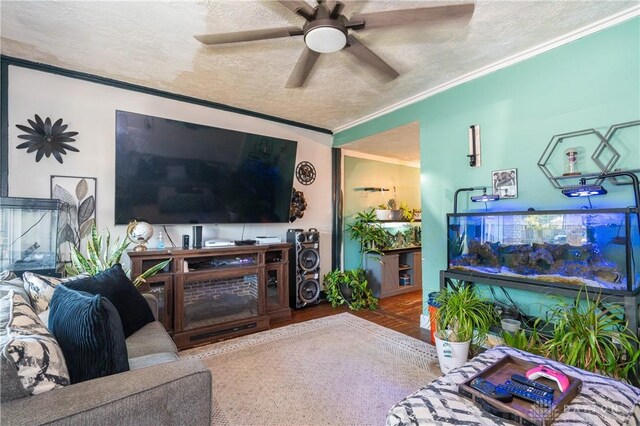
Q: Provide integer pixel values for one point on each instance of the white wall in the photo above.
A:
(89, 109)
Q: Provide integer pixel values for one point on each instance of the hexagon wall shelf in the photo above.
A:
(557, 140)
(600, 154)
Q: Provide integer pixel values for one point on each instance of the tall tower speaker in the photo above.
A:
(304, 267)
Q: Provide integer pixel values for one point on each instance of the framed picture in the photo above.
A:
(505, 183)
(78, 215)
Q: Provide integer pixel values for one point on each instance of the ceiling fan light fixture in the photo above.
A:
(325, 39)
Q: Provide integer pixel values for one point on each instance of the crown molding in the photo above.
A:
(380, 158)
(519, 57)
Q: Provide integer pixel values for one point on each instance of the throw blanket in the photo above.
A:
(602, 401)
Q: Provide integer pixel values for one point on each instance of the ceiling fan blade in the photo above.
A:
(252, 35)
(423, 15)
(363, 53)
(299, 7)
(336, 9)
(303, 67)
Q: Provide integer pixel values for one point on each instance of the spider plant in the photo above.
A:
(464, 315)
(589, 335)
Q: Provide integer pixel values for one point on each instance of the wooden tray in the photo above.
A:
(520, 411)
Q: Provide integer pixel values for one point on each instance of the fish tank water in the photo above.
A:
(596, 248)
(28, 234)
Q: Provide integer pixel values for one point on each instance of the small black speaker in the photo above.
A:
(185, 242)
(197, 236)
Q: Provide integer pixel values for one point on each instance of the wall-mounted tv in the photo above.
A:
(173, 172)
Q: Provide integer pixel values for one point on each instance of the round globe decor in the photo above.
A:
(139, 233)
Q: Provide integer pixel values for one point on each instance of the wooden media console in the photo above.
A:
(211, 294)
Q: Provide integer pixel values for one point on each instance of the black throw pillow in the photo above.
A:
(114, 284)
(89, 331)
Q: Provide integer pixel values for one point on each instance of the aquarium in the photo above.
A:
(401, 234)
(596, 248)
(28, 234)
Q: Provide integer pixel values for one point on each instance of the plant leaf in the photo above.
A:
(67, 235)
(85, 228)
(86, 209)
(81, 189)
(151, 272)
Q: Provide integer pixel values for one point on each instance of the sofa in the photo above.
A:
(159, 388)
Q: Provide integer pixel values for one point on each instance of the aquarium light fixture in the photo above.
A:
(584, 191)
(485, 197)
(479, 198)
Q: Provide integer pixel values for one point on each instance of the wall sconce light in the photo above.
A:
(474, 145)
(476, 199)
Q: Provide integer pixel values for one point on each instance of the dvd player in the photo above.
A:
(218, 242)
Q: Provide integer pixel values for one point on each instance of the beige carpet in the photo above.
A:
(339, 370)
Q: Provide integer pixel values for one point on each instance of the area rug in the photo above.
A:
(338, 370)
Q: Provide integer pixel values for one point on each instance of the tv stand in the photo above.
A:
(212, 294)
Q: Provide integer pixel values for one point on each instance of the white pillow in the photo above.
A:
(35, 352)
(40, 288)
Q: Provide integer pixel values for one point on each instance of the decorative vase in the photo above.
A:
(451, 354)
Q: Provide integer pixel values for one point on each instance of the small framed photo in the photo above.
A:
(505, 183)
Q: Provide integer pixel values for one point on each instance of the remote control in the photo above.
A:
(526, 392)
(521, 379)
(489, 389)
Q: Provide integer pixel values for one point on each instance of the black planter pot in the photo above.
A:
(346, 292)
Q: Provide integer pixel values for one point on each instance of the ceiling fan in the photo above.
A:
(327, 31)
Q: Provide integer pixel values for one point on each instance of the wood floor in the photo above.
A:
(400, 313)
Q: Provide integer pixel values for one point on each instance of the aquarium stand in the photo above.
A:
(630, 300)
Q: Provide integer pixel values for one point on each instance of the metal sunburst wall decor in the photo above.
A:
(46, 138)
(306, 173)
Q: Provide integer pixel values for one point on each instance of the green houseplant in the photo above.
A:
(589, 335)
(351, 288)
(463, 316)
(102, 254)
(369, 233)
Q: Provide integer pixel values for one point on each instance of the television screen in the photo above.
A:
(173, 172)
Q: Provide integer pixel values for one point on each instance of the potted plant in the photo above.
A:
(382, 212)
(101, 255)
(351, 288)
(588, 334)
(463, 316)
(369, 233)
(389, 211)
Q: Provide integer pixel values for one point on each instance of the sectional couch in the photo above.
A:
(159, 389)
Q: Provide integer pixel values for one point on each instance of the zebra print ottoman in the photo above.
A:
(602, 401)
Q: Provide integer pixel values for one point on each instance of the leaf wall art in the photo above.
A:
(78, 215)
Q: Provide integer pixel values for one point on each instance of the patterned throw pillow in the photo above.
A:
(35, 352)
(40, 288)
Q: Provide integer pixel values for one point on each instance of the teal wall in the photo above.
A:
(590, 83)
(403, 183)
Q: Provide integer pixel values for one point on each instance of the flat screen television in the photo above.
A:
(173, 172)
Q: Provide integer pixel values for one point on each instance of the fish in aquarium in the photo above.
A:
(554, 262)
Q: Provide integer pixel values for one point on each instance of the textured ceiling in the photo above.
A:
(151, 44)
(400, 143)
